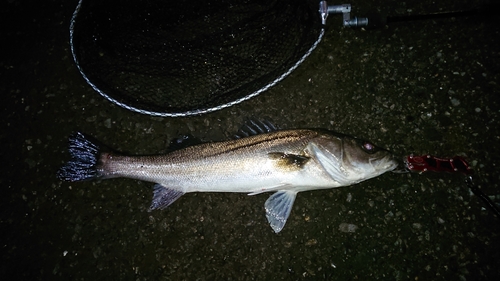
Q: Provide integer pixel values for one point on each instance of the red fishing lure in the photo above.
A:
(430, 163)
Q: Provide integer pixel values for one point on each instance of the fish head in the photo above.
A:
(366, 158)
(350, 160)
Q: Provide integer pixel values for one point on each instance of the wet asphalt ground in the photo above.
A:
(424, 87)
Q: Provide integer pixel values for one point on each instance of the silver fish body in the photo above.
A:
(286, 161)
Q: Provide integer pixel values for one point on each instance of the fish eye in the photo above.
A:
(368, 147)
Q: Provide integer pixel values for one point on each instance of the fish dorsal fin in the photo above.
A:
(164, 196)
(288, 161)
(278, 208)
(253, 127)
(183, 142)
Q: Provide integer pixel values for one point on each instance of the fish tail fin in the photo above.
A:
(85, 154)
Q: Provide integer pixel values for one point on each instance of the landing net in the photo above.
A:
(179, 58)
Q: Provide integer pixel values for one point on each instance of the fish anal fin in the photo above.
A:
(164, 196)
(278, 207)
(288, 161)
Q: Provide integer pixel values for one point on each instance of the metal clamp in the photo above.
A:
(345, 10)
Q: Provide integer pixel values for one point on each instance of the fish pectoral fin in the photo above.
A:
(278, 208)
(331, 163)
(164, 196)
(288, 161)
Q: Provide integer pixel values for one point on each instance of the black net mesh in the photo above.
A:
(175, 58)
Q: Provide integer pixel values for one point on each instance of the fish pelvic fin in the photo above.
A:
(270, 189)
(83, 165)
(164, 196)
(278, 208)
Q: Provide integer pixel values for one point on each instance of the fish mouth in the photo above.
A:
(392, 164)
(386, 164)
(389, 163)
(400, 165)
